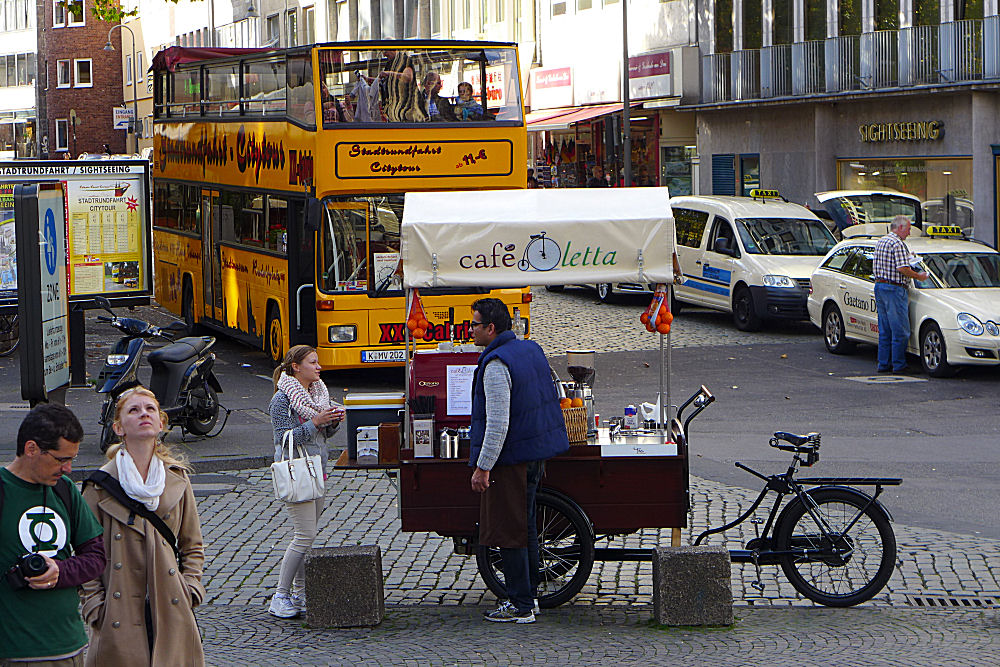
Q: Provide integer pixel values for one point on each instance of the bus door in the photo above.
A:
(342, 261)
(211, 264)
(301, 252)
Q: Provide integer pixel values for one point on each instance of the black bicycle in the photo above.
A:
(833, 542)
(10, 333)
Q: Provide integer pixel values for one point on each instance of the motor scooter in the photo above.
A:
(182, 376)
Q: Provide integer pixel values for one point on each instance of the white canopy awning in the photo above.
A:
(506, 238)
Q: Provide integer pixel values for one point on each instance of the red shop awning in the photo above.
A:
(564, 120)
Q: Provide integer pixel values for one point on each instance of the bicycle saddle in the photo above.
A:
(797, 440)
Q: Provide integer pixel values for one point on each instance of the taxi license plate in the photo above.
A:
(381, 356)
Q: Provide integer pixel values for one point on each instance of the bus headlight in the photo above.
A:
(778, 281)
(970, 324)
(345, 333)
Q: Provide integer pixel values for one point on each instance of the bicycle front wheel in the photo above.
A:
(846, 549)
(9, 334)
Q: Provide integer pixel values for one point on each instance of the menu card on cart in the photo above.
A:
(459, 380)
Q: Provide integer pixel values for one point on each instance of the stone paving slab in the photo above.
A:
(438, 635)
(247, 531)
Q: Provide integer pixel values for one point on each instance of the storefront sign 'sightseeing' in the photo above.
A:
(878, 133)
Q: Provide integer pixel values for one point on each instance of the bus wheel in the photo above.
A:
(274, 336)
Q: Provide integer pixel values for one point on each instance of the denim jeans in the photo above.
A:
(520, 566)
(893, 326)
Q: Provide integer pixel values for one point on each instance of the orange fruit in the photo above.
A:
(649, 327)
(644, 318)
(423, 324)
(669, 317)
(663, 328)
(659, 318)
(565, 403)
(663, 309)
(418, 333)
(412, 323)
(576, 403)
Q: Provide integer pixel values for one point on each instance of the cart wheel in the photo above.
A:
(566, 553)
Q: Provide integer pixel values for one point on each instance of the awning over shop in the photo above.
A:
(545, 115)
(577, 115)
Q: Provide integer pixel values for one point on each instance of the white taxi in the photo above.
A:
(954, 314)
(751, 256)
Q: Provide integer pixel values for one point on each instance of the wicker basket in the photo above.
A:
(576, 424)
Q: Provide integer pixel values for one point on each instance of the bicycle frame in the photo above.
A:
(760, 549)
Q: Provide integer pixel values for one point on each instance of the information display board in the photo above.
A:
(108, 226)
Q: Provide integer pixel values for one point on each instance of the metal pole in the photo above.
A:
(135, 83)
(626, 121)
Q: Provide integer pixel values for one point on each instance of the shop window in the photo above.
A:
(784, 20)
(849, 15)
(749, 173)
(815, 19)
(724, 174)
(62, 134)
(887, 15)
(753, 24)
(75, 14)
(558, 7)
(723, 26)
(690, 226)
(83, 74)
(63, 70)
(675, 169)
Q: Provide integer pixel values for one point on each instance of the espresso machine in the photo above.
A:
(580, 364)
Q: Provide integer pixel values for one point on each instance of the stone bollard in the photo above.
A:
(691, 586)
(344, 587)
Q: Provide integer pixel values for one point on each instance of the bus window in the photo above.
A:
(277, 224)
(264, 87)
(185, 93)
(301, 105)
(344, 246)
(223, 86)
(177, 206)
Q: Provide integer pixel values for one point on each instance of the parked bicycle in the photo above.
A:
(10, 334)
(834, 542)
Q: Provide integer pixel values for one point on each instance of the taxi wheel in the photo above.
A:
(833, 331)
(675, 305)
(554, 288)
(606, 292)
(933, 353)
(744, 314)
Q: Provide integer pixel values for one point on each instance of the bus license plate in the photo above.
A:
(381, 356)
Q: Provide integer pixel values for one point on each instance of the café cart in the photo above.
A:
(612, 481)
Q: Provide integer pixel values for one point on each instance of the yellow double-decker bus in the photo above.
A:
(279, 181)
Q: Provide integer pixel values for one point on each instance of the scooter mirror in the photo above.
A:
(104, 303)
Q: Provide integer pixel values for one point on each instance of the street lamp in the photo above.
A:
(135, 87)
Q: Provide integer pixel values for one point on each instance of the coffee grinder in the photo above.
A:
(580, 366)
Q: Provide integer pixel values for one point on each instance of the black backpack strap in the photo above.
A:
(62, 490)
(115, 490)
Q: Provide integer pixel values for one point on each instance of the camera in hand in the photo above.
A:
(30, 565)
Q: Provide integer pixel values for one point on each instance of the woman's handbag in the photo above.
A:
(300, 479)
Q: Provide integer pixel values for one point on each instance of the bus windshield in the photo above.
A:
(415, 85)
(784, 236)
(360, 244)
(953, 269)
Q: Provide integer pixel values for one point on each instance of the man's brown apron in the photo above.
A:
(503, 508)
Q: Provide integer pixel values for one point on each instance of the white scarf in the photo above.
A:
(147, 492)
(306, 404)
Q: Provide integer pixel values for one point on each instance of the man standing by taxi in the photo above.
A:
(892, 278)
(516, 425)
(43, 515)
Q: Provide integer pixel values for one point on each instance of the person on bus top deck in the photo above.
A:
(398, 89)
(436, 107)
(467, 108)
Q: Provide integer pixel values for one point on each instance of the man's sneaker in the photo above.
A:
(508, 613)
(282, 606)
(299, 602)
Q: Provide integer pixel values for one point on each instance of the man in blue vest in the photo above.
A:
(516, 425)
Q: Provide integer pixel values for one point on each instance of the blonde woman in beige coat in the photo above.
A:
(141, 564)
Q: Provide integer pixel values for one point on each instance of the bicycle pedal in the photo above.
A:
(757, 585)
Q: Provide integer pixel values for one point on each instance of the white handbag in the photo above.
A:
(297, 480)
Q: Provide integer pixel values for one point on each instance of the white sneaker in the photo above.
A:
(299, 602)
(537, 609)
(282, 606)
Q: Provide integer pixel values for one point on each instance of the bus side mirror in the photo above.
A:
(314, 213)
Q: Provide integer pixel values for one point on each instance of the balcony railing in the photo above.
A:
(921, 55)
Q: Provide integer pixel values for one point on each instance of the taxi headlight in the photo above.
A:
(992, 328)
(970, 324)
(778, 281)
(346, 333)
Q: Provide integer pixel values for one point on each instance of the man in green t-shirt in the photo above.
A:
(42, 512)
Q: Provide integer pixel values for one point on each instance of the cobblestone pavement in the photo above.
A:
(615, 327)
(431, 595)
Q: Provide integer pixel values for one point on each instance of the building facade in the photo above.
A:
(18, 74)
(806, 96)
(79, 88)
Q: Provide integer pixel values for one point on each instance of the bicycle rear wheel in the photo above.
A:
(9, 334)
(846, 561)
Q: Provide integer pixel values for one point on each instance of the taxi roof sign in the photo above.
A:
(765, 194)
(943, 230)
